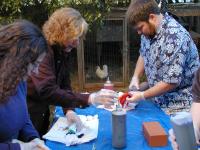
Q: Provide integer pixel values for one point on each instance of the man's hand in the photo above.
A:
(135, 96)
(134, 83)
(72, 117)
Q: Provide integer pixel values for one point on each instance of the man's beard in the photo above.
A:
(152, 30)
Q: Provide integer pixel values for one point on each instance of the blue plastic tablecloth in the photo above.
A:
(144, 112)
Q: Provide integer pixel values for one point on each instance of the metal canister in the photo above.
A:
(184, 131)
(119, 128)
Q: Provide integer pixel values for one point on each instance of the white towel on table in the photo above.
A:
(58, 133)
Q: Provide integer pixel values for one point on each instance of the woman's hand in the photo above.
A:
(72, 117)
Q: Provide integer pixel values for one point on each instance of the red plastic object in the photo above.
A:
(122, 99)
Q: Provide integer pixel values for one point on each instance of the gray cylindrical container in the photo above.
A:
(119, 128)
(184, 131)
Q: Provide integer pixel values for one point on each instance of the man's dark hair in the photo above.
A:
(139, 10)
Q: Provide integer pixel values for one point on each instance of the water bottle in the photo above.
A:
(184, 131)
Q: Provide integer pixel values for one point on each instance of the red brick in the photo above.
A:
(154, 134)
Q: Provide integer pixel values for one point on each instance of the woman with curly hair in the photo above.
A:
(22, 47)
(63, 31)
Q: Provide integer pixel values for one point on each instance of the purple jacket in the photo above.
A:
(15, 121)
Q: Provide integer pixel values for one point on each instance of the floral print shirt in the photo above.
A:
(172, 57)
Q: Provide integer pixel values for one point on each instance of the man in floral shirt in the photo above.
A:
(168, 56)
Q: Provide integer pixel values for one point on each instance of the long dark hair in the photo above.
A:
(21, 43)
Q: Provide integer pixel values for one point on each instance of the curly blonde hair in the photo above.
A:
(64, 24)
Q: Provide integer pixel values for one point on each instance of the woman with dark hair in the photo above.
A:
(22, 47)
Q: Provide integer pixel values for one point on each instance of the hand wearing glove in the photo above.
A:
(35, 144)
(134, 84)
(195, 110)
(40, 144)
(135, 96)
(172, 139)
(102, 97)
(72, 117)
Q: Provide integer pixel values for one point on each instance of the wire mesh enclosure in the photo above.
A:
(108, 51)
(103, 52)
